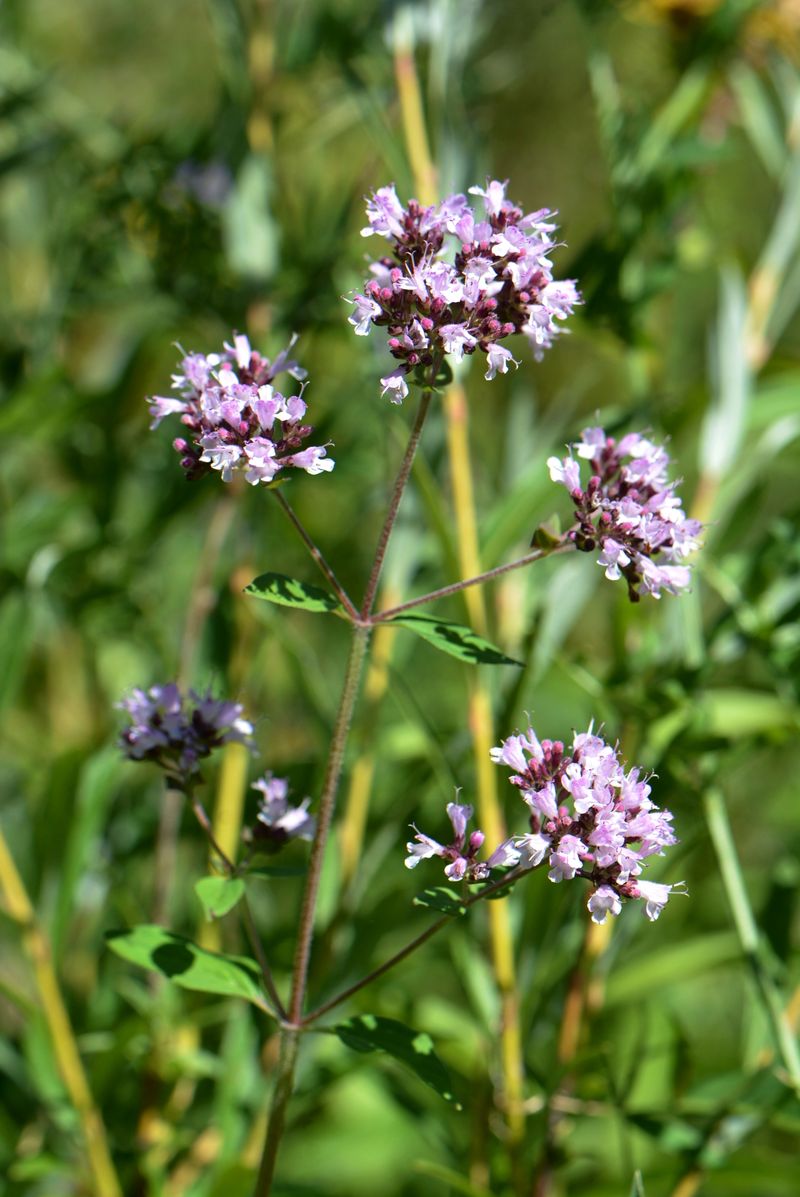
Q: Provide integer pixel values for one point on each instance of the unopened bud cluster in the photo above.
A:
(630, 511)
(462, 852)
(236, 420)
(497, 282)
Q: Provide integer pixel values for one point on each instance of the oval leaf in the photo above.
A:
(453, 638)
(369, 1033)
(441, 898)
(291, 592)
(218, 895)
(187, 964)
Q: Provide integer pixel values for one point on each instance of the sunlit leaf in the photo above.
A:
(218, 895)
(732, 713)
(251, 234)
(370, 1032)
(291, 592)
(637, 1185)
(442, 899)
(453, 638)
(187, 964)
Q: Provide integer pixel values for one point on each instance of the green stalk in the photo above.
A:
(730, 870)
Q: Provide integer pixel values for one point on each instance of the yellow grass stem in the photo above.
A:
(483, 739)
(229, 808)
(480, 709)
(65, 1049)
(688, 1185)
(411, 109)
(227, 821)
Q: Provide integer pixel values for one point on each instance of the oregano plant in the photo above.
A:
(471, 275)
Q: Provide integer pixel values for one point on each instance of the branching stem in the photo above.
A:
(394, 503)
(415, 943)
(488, 576)
(316, 554)
(201, 814)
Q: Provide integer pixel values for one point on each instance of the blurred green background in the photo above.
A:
(170, 172)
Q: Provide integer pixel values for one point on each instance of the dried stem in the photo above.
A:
(489, 810)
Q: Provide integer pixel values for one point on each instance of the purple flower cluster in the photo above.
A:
(631, 511)
(462, 852)
(176, 732)
(277, 821)
(498, 282)
(589, 818)
(236, 419)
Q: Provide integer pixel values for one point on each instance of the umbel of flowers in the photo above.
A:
(630, 511)
(458, 280)
(236, 420)
(588, 817)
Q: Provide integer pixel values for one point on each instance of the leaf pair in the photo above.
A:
(451, 638)
(185, 963)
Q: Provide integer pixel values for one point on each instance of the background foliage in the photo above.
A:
(169, 172)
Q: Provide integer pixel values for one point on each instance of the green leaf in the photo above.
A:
(441, 898)
(270, 872)
(546, 538)
(370, 1032)
(290, 592)
(218, 895)
(187, 964)
(453, 638)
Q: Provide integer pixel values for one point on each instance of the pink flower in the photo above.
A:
(234, 419)
(630, 510)
(604, 901)
(496, 282)
(588, 815)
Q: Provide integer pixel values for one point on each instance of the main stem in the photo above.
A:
(291, 1030)
(394, 503)
(344, 716)
(290, 1033)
